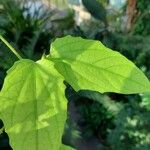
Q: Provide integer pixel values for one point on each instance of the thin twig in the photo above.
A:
(10, 47)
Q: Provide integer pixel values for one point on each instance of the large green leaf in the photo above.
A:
(88, 64)
(33, 106)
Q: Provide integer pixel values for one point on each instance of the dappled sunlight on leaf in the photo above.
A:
(88, 64)
(33, 105)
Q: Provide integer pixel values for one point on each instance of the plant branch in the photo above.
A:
(10, 47)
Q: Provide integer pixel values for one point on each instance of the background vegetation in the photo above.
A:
(95, 121)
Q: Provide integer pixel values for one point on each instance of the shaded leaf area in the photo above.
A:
(33, 106)
(88, 64)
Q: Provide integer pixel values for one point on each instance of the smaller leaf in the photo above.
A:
(96, 9)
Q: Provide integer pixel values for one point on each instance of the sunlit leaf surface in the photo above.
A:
(88, 64)
(33, 106)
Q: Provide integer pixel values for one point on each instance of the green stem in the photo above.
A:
(10, 47)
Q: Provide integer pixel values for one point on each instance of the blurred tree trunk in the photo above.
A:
(131, 14)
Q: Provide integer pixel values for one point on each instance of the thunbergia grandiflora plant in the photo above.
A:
(33, 106)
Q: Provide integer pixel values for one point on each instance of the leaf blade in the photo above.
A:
(33, 112)
(88, 64)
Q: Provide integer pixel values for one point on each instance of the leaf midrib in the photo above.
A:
(86, 63)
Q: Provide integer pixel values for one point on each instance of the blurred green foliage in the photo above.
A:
(142, 26)
(132, 129)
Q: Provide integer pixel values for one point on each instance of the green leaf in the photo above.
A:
(64, 147)
(96, 9)
(33, 106)
(88, 64)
